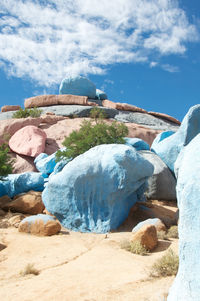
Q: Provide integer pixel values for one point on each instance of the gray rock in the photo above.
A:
(162, 184)
(146, 120)
(66, 110)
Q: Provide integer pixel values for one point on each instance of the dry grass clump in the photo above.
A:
(167, 265)
(162, 235)
(29, 269)
(172, 232)
(134, 247)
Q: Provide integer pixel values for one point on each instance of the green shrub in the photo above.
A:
(90, 135)
(29, 269)
(24, 113)
(172, 232)
(134, 247)
(5, 161)
(166, 265)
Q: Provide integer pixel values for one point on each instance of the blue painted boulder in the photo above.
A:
(78, 85)
(137, 143)
(44, 163)
(169, 148)
(187, 282)
(101, 95)
(18, 183)
(95, 191)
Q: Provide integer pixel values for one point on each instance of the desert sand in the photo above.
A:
(80, 267)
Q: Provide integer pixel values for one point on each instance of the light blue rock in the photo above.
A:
(101, 95)
(186, 286)
(78, 85)
(44, 163)
(169, 148)
(95, 191)
(18, 183)
(149, 221)
(160, 137)
(137, 143)
(33, 218)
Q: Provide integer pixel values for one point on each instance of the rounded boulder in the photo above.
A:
(78, 85)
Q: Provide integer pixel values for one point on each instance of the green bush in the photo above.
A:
(167, 265)
(24, 113)
(5, 161)
(90, 135)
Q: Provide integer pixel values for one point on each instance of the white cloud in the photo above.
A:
(153, 64)
(170, 68)
(46, 42)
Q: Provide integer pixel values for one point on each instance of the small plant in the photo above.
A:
(24, 113)
(134, 247)
(166, 265)
(97, 114)
(162, 235)
(90, 135)
(5, 161)
(172, 232)
(29, 269)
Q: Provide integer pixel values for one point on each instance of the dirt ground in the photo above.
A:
(81, 266)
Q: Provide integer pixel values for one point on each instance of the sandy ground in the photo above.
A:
(79, 267)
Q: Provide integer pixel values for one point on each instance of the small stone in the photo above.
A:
(147, 236)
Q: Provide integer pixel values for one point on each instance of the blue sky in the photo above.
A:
(143, 52)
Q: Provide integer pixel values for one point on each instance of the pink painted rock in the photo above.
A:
(121, 106)
(52, 100)
(165, 116)
(28, 141)
(9, 108)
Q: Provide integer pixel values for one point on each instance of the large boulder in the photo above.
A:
(52, 100)
(40, 224)
(95, 191)
(187, 282)
(162, 184)
(19, 183)
(169, 148)
(29, 141)
(28, 203)
(78, 85)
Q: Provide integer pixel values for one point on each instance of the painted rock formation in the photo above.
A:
(187, 282)
(95, 191)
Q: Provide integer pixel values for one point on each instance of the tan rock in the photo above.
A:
(15, 220)
(29, 141)
(165, 116)
(122, 106)
(29, 203)
(4, 200)
(2, 212)
(9, 108)
(147, 236)
(51, 100)
(39, 227)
